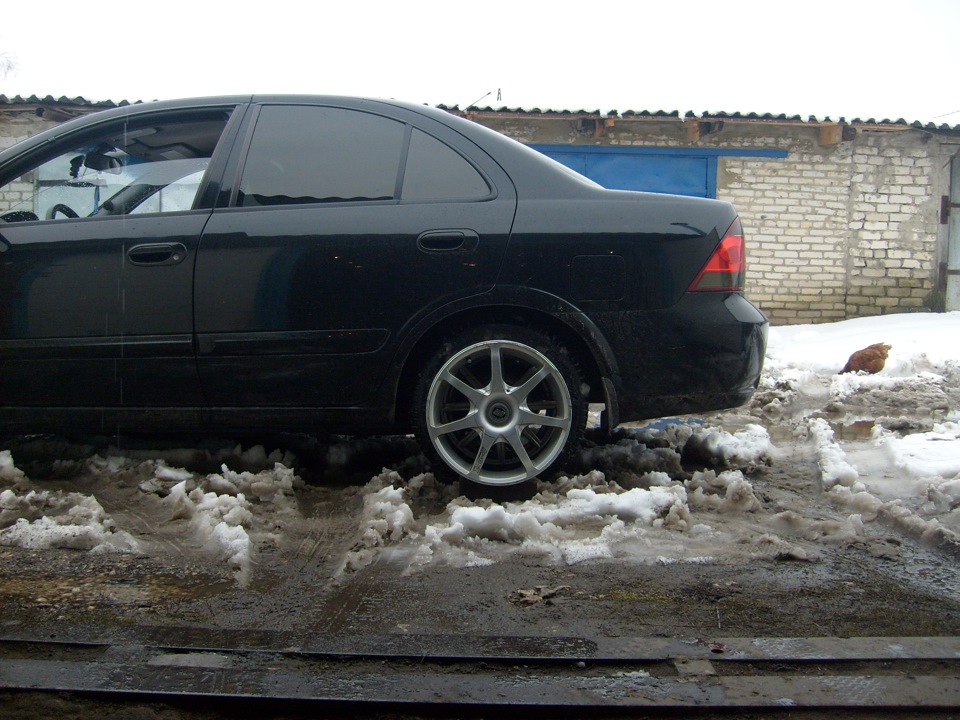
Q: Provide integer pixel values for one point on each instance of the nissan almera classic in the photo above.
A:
(291, 263)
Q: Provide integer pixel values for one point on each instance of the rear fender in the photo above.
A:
(499, 303)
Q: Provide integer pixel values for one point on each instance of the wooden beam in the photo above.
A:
(831, 134)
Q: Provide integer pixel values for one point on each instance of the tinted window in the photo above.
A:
(319, 154)
(437, 172)
(142, 165)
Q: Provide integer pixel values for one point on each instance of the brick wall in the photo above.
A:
(842, 231)
(14, 127)
(19, 125)
(834, 231)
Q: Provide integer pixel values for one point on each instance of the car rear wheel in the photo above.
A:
(501, 405)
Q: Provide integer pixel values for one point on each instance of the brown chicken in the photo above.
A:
(869, 360)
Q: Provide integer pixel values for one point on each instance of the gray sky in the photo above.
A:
(878, 59)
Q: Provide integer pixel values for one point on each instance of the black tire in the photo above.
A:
(500, 429)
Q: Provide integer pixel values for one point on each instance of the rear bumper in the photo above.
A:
(704, 353)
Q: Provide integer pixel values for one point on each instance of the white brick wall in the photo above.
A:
(832, 232)
(19, 125)
(14, 127)
(793, 211)
(847, 231)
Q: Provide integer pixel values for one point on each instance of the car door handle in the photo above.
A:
(447, 240)
(157, 254)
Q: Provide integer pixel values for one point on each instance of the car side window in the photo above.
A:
(435, 171)
(137, 166)
(302, 154)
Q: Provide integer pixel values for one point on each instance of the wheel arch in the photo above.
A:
(567, 325)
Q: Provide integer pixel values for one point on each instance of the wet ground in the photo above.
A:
(881, 582)
(812, 581)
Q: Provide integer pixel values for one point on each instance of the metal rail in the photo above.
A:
(531, 672)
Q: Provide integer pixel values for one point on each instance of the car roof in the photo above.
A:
(536, 173)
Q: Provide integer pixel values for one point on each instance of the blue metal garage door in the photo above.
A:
(682, 171)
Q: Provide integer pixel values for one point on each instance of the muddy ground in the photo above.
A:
(880, 582)
(885, 583)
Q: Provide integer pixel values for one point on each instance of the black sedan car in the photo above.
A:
(293, 263)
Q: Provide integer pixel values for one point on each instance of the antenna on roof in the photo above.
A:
(482, 97)
(937, 117)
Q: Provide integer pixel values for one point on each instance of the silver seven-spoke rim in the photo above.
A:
(498, 412)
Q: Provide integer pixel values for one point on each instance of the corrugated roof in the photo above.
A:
(81, 102)
(62, 101)
(704, 116)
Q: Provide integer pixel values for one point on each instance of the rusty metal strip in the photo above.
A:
(285, 678)
(518, 648)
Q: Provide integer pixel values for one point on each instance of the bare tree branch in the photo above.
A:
(8, 63)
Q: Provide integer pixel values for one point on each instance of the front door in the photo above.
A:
(96, 266)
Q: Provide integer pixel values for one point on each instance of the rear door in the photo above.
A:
(347, 223)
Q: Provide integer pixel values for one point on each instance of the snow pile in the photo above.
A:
(835, 532)
(570, 526)
(221, 509)
(905, 470)
(934, 454)
(386, 517)
(218, 509)
(916, 499)
(636, 453)
(714, 446)
(919, 378)
(219, 521)
(727, 492)
(927, 467)
(254, 458)
(10, 473)
(573, 518)
(834, 468)
(641, 451)
(558, 516)
(920, 343)
(42, 520)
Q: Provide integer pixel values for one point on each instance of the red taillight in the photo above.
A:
(725, 270)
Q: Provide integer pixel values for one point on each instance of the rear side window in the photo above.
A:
(436, 172)
(319, 154)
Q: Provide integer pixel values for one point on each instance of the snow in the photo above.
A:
(885, 448)
(920, 342)
(834, 468)
(44, 520)
(931, 454)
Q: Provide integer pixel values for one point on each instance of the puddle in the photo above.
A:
(854, 431)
